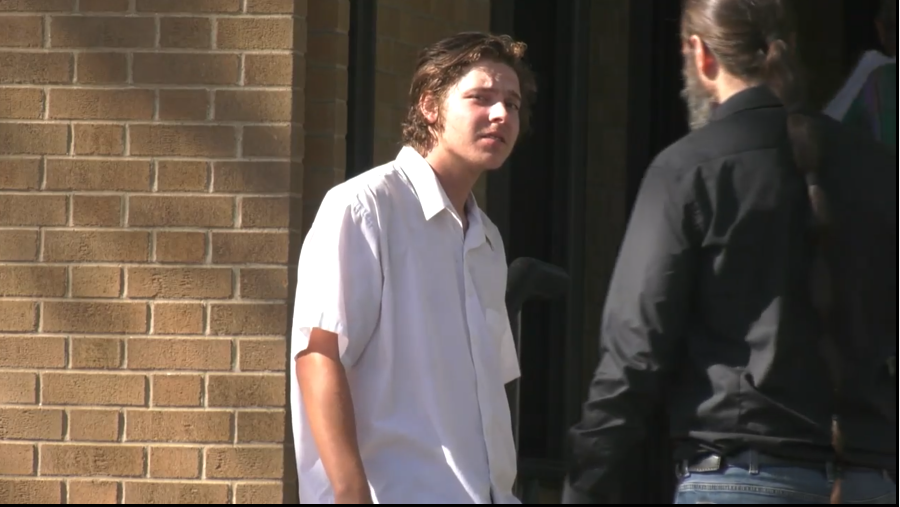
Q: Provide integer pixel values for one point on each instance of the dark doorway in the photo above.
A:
(537, 200)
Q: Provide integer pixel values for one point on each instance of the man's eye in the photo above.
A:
(513, 106)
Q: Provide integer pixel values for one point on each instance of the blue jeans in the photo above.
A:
(784, 485)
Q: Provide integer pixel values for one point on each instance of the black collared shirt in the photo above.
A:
(709, 310)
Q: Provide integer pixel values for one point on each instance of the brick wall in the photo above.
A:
(404, 27)
(148, 151)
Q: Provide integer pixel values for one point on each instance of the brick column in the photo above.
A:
(145, 183)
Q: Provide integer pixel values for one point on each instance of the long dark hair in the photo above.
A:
(753, 40)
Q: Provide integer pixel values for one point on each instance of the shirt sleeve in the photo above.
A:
(339, 278)
(642, 326)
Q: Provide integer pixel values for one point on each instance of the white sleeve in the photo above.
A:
(339, 279)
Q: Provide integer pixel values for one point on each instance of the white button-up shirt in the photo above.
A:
(419, 309)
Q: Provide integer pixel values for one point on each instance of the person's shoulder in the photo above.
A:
(367, 194)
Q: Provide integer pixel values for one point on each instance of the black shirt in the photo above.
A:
(709, 309)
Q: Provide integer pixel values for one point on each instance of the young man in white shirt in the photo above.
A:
(400, 334)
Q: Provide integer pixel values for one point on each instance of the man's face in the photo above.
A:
(700, 101)
(481, 116)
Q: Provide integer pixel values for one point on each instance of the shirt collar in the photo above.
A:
(431, 194)
(755, 97)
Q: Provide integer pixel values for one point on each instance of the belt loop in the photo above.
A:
(685, 469)
(753, 457)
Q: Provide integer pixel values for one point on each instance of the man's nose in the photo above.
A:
(499, 112)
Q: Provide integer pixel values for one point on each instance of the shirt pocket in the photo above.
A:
(501, 337)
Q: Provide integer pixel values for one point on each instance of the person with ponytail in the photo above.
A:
(754, 294)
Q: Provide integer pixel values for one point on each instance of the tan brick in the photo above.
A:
(267, 212)
(190, 33)
(159, 211)
(96, 282)
(328, 46)
(326, 118)
(189, 6)
(33, 138)
(269, 141)
(188, 247)
(98, 246)
(173, 493)
(246, 391)
(105, 389)
(18, 245)
(325, 152)
(27, 424)
(271, 6)
(178, 426)
(18, 388)
(178, 176)
(77, 317)
(103, 5)
(255, 33)
(21, 103)
(184, 69)
(244, 463)
(335, 15)
(260, 427)
(16, 492)
(17, 316)
(174, 463)
(179, 354)
(179, 283)
(183, 105)
(30, 351)
(326, 83)
(271, 70)
(102, 68)
(262, 355)
(94, 425)
(187, 141)
(252, 177)
(20, 174)
(37, 6)
(81, 104)
(100, 175)
(264, 283)
(96, 353)
(178, 318)
(36, 68)
(47, 281)
(99, 139)
(259, 494)
(18, 459)
(248, 319)
(21, 31)
(32, 209)
(177, 390)
(92, 461)
(93, 492)
(101, 32)
(238, 247)
(253, 105)
(97, 210)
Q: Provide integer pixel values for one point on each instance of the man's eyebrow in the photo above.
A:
(515, 95)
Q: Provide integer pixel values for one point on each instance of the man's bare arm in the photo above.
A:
(329, 409)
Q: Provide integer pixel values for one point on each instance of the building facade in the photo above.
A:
(160, 161)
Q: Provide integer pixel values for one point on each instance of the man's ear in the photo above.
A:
(428, 106)
(703, 58)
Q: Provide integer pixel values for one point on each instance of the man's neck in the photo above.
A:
(728, 87)
(456, 180)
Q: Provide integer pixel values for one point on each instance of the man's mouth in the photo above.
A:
(496, 137)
